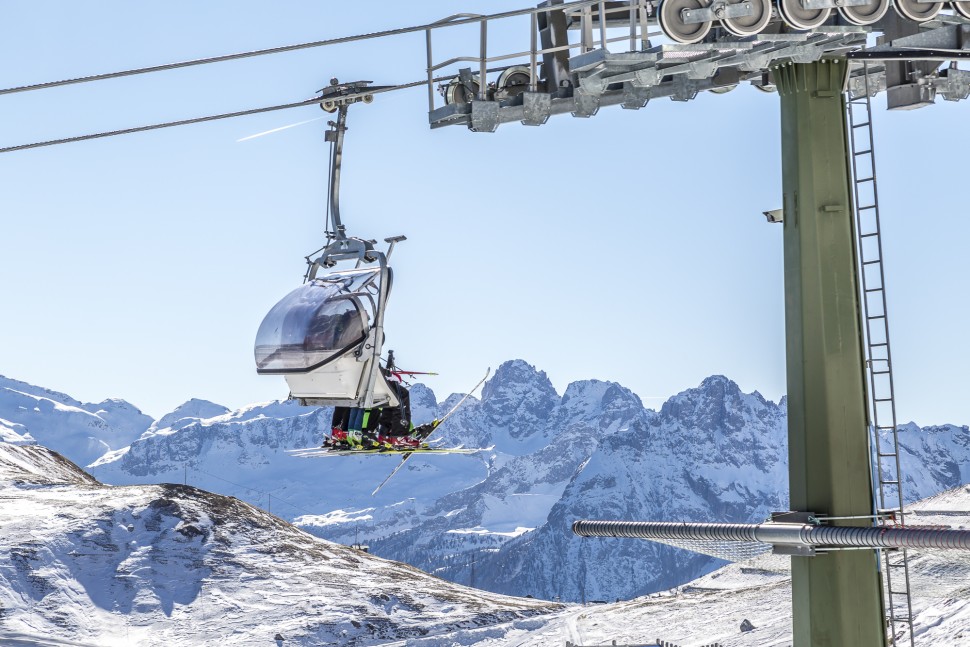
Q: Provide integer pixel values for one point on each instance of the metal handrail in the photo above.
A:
(637, 10)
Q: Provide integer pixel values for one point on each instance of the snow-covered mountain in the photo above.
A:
(500, 519)
(173, 565)
(81, 431)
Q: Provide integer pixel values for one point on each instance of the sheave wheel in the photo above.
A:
(962, 8)
(798, 17)
(673, 25)
(512, 82)
(756, 22)
(865, 14)
(457, 93)
(917, 11)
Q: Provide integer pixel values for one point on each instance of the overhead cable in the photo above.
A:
(451, 21)
(197, 120)
(167, 124)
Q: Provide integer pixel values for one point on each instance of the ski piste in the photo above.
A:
(408, 454)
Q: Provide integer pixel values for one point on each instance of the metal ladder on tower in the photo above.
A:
(882, 404)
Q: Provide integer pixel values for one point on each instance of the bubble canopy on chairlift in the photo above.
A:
(318, 322)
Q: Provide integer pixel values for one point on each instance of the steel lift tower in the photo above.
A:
(813, 52)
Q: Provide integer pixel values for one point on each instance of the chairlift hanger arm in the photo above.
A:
(338, 97)
(336, 136)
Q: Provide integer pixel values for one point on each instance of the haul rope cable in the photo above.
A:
(196, 120)
(451, 21)
(225, 115)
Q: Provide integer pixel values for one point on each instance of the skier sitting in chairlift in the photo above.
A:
(386, 428)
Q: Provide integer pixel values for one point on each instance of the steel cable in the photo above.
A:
(447, 22)
(197, 120)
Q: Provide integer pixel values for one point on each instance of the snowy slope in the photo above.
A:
(175, 565)
(11, 432)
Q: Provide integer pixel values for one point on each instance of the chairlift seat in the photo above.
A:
(319, 337)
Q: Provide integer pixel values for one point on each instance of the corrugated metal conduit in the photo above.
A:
(790, 534)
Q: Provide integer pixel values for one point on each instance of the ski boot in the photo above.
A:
(399, 443)
(355, 439)
(423, 431)
(336, 440)
(370, 440)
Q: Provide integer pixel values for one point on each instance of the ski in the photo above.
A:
(319, 452)
(408, 455)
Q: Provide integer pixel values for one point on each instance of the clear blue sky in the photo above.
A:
(626, 247)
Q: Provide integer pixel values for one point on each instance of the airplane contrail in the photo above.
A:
(276, 130)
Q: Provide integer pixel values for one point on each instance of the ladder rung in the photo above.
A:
(892, 455)
(877, 317)
(888, 482)
(868, 206)
(862, 152)
(878, 260)
(862, 125)
(878, 343)
(880, 372)
(879, 289)
(874, 233)
(865, 179)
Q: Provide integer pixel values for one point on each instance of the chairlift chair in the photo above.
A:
(325, 337)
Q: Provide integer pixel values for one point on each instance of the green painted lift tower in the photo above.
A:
(836, 596)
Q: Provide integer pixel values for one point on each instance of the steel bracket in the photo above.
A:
(954, 84)
(536, 106)
(484, 116)
(634, 97)
(647, 78)
(684, 89)
(719, 10)
(835, 4)
(593, 84)
(587, 103)
(701, 69)
(876, 84)
(794, 551)
(806, 53)
(794, 516)
(755, 62)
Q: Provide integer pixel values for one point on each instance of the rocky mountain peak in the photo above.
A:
(717, 404)
(519, 399)
(608, 401)
(188, 413)
(424, 405)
